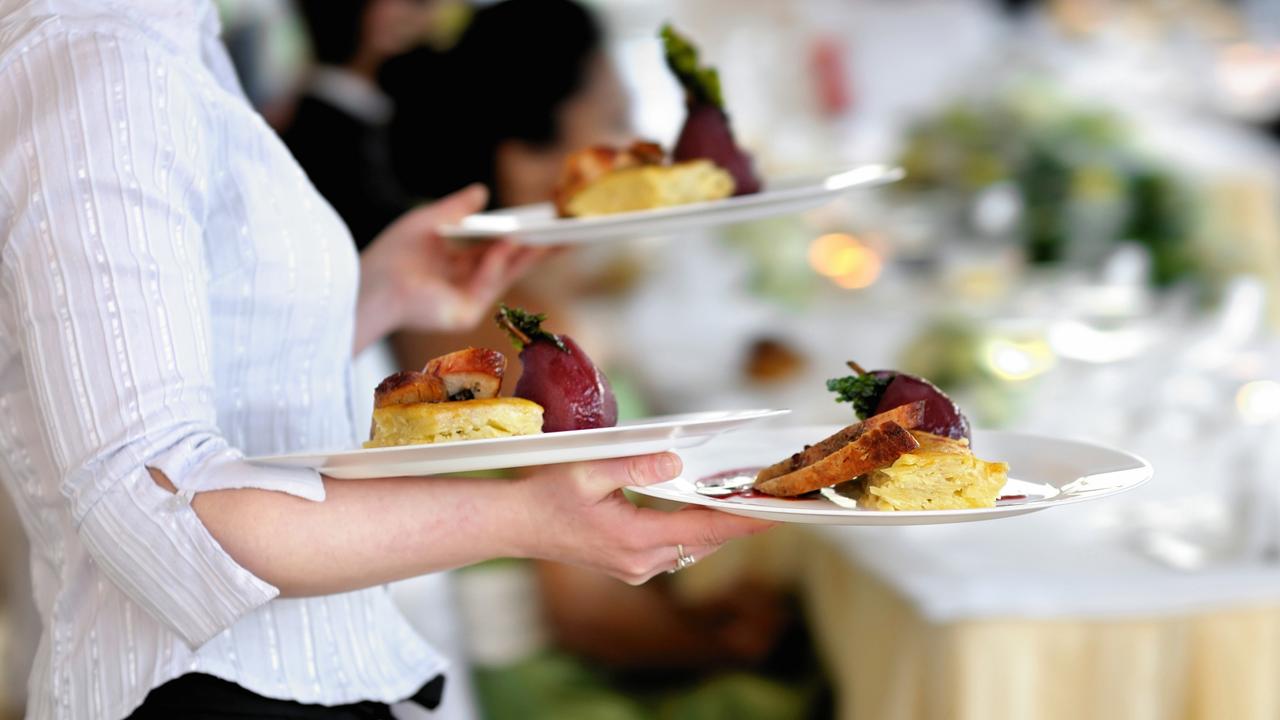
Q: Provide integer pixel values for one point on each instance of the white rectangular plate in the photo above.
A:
(638, 437)
(538, 224)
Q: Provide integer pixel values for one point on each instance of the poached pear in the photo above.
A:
(707, 133)
(876, 391)
(558, 375)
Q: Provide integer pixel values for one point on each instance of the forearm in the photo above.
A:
(366, 532)
(369, 532)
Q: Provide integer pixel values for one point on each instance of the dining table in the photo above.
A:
(1159, 604)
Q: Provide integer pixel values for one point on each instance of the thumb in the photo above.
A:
(459, 204)
(654, 469)
(602, 478)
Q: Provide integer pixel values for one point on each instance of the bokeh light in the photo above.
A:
(1015, 359)
(1259, 401)
(846, 260)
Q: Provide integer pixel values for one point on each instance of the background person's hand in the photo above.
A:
(577, 514)
(412, 278)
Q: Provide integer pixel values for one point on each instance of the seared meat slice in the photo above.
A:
(874, 448)
(909, 416)
(470, 374)
(410, 386)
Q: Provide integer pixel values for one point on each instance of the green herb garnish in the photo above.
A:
(525, 327)
(702, 84)
(863, 390)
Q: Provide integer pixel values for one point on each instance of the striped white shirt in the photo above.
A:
(173, 294)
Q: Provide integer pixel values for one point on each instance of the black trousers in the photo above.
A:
(204, 697)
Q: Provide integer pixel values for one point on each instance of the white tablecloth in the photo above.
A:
(1032, 567)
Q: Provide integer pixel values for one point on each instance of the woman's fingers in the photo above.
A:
(659, 561)
(523, 260)
(590, 523)
(699, 526)
(473, 282)
(657, 537)
(667, 558)
(599, 479)
(455, 206)
(497, 269)
(490, 268)
(482, 274)
(420, 224)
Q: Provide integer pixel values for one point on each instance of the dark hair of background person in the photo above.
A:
(1014, 7)
(505, 79)
(333, 28)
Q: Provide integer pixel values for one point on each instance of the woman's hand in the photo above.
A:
(412, 278)
(577, 514)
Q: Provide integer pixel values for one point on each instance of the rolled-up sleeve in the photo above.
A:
(103, 188)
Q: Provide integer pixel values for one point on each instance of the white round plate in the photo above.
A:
(538, 224)
(638, 437)
(1048, 472)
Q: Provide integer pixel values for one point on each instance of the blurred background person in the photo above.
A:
(339, 129)
(522, 84)
(525, 83)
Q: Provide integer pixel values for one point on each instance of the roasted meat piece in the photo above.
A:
(908, 416)
(590, 164)
(874, 448)
(407, 387)
(471, 374)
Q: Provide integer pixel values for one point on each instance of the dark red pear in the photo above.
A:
(876, 391)
(558, 375)
(941, 414)
(707, 133)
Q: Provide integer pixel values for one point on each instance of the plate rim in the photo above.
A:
(1144, 468)
(742, 415)
(816, 186)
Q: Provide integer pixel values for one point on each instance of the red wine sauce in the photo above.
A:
(746, 492)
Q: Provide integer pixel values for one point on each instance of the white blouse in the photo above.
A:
(173, 294)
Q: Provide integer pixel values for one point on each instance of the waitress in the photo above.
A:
(175, 295)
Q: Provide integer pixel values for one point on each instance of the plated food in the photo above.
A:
(910, 451)
(603, 180)
(707, 133)
(558, 375)
(539, 224)
(704, 179)
(455, 396)
(705, 164)
(1046, 473)
(626, 439)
